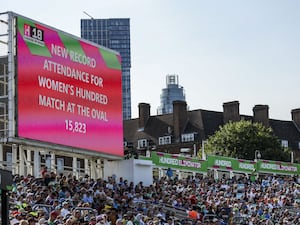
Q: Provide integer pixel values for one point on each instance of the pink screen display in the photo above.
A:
(69, 92)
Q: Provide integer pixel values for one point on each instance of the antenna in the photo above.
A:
(88, 15)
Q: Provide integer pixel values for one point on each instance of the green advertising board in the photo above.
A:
(231, 164)
(178, 162)
(276, 167)
(226, 164)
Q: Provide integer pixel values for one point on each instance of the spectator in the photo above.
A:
(169, 173)
(52, 217)
(42, 221)
(229, 199)
(65, 209)
(119, 222)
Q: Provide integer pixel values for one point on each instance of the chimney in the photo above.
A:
(296, 117)
(144, 114)
(261, 114)
(231, 111)
(179, 118)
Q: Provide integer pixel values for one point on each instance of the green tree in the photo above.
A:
(241, 139)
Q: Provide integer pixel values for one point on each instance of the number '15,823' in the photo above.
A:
(75, 126)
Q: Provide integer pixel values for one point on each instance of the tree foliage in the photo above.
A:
(241, 140)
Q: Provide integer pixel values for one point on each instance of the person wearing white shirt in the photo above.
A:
(65, 210)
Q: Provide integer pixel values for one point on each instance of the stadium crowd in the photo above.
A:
(66, 200)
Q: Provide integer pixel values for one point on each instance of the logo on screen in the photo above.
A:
(34, 35)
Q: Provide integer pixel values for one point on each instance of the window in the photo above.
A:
(60, 165)
(164, 140)
(142, 143)
(9, 160)
(285, 143)
(187, 137)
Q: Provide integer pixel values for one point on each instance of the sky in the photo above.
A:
(222, 50)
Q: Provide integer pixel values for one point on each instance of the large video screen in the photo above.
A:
(69, 91)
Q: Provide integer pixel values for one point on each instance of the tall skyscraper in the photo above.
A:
(171, 93)
(113, 34)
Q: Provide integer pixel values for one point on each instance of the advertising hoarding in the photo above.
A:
(220, 163)
(69, 91)
(275, 167)
(178, 162)
(231, 164)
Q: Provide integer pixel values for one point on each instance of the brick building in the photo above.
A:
(185, 131)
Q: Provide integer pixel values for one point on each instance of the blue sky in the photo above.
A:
(222, 50)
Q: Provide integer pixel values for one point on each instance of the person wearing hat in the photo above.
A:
(124, 218)
(101, 219)
(77, 214)
(65, 210)
(23, 222)
(71, 221)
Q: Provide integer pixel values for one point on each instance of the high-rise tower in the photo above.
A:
(113, 34)
(171, 93)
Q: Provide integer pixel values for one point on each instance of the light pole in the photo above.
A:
(202, 149)
(257, 156)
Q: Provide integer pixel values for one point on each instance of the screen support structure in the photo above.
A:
(11, 73)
